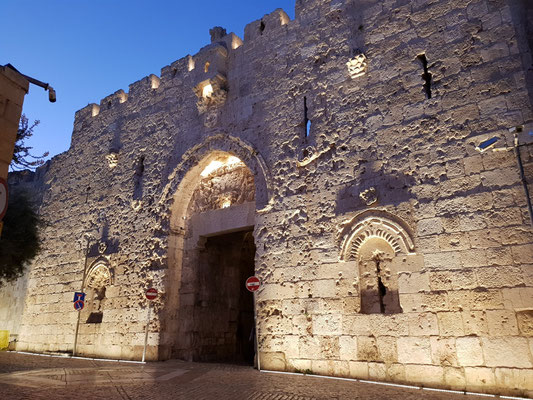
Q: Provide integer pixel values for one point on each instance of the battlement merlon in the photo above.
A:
(215, 54)
(262, 26)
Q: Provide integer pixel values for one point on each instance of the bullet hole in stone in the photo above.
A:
(426, 76)
(174, 72)
(361, 27)
(87, 194)
(109, 104)
(262, 27)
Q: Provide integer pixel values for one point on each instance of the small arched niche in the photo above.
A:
(376, 243)
(99, 278)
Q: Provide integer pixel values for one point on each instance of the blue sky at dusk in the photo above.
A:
(87, 50)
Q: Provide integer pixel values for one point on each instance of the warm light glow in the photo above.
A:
(206, 67)
(95, 110)
(214, 165)
(225, 203)
(191, 63)
(207, 91)
(154, 81)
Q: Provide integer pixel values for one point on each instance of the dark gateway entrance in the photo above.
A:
(224, 314)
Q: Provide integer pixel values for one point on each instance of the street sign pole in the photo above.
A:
(82, 287)
(253, 284)
(256, 333)
(151, 294)
(146, 333)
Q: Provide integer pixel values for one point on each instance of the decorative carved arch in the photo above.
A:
(375, 224)
(99, 275)
(183, 178)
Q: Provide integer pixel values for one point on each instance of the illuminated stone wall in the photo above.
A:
(389, 248)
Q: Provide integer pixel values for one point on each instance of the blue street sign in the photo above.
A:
(79, 296)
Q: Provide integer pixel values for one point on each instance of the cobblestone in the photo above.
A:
(25, 376)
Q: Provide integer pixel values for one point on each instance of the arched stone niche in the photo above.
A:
(376, 242)
(99, 278)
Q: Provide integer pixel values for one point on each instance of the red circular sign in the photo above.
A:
(151, 294)
(253, 283)
(3, 197)
(78, 305)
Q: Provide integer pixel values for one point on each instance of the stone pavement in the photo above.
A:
(24, 376)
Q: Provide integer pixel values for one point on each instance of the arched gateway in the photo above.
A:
(208, 314)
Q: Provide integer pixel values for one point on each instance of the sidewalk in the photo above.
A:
(25, 376)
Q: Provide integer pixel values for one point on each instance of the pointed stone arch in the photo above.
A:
(375, 224)
(186, 233)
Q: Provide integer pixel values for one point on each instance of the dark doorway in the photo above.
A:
(224, 314)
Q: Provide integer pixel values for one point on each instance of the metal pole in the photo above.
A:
(82, 287)
(146, 333)
(256, 334)
(523, 176)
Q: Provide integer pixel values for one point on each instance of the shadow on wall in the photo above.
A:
(374, 187)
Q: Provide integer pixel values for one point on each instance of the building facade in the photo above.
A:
(333, 156)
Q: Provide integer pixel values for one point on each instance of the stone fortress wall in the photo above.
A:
(389, 248)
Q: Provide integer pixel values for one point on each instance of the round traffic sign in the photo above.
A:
(78, 305)
(151, 294)
(3, 197)
(253, 283)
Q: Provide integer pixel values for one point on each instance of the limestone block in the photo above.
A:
(450, 323)
(327, 324)
(413, 282)
(429, 375)
(414, 350)
(514, 378)
(455, 378)
(512, 352)
(358, 369)
(348, 348)
(469, 352)
(367, 349)
(274, 361)
(357, 325)
(475, 323)
(430, 226)
(423, 324)
(387, 349)
(377, 371)
(497, 277)
(479, 379)
(522, 254)
(519, 297)
(502, 323)
(525, 322)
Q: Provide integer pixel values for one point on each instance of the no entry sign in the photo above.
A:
(151, 294)
(253, 283)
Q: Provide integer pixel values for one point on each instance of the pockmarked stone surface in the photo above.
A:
(334, 157)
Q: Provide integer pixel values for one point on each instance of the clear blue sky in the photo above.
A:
(88, 49)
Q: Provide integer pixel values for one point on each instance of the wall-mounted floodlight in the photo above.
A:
(487, 144)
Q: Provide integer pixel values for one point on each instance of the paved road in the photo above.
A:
(25, 376)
